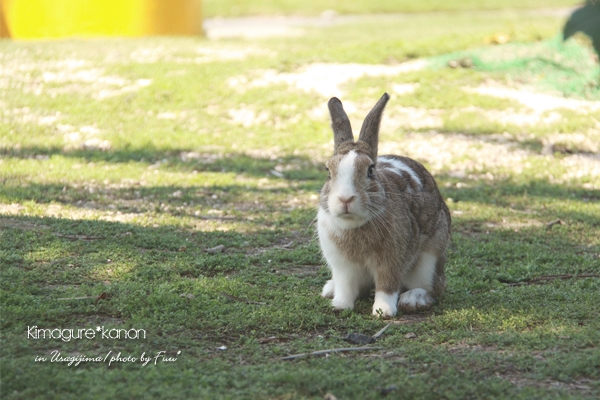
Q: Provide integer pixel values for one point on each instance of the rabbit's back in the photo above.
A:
(408, 177)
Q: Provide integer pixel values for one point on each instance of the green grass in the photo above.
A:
(123, 161)
(229, 8)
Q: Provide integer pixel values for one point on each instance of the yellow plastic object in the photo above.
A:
(33, 19)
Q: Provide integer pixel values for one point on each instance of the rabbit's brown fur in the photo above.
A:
(392, 224)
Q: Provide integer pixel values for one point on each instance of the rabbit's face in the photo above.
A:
(353, 194)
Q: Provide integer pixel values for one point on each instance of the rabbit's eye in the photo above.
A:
(328, 172)
(370, 171)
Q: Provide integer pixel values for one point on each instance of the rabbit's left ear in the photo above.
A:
(369, 133)
(342, 131)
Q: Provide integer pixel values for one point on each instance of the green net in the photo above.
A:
(568, 68)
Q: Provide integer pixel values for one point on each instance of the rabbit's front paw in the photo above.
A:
(328, 289)
(415, 300)
(342, 303)
(385, 304)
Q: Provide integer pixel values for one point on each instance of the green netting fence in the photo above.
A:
(568, 68)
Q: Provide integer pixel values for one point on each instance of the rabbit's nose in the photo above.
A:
(346, 200)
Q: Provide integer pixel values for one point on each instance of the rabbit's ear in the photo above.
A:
(369, 133)
(342, 131)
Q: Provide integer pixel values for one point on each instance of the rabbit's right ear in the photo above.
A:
(369, 133)
(342, 131)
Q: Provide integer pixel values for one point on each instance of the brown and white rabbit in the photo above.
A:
(382, 222)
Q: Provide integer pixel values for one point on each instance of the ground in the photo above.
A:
(170, 185)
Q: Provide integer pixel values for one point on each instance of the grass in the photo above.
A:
(213, 8)
(124, 161)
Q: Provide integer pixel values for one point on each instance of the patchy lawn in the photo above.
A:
(161, 193)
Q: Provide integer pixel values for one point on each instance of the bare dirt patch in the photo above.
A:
(538, 102)
(471, 157)
(326, 79)
(67, 76)
(200, 55)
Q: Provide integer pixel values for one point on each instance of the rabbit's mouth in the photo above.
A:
(349, 216)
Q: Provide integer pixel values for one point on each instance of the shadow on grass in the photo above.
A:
(172, 258)
(160, 279)
(536, 145)
(172, 199)
(298, 174)
(506, 194)
(186, 160)
(143, 270)
(240, 200)
(149, 273)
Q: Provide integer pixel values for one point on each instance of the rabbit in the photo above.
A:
(382, 222)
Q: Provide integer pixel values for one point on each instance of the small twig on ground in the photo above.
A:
(287, 246)
(376, 336)
(273, 339)
(329, 351)
(276, 173)
(78, 237)
(558, 221)
(101, 296)
(77, 298)
(242, 300)
(216, 249)
(547, 278)
(307, 265)
(212, 217)
(58, 261)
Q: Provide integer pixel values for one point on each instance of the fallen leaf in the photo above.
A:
(387, 390)
(102, 296)
(358, 338)
(558, 221)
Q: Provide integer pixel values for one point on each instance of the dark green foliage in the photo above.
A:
(587, 20)
(199, 229)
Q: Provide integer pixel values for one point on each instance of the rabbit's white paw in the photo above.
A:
(415, 300)
(385, 304)
(344, 297)
(341, 303)
(328, 289)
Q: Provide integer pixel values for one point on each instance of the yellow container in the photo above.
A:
(34, 19)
